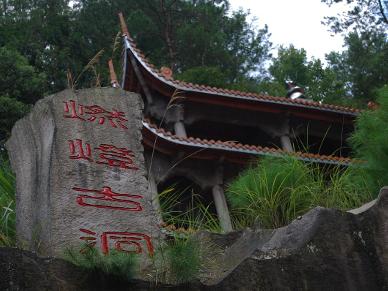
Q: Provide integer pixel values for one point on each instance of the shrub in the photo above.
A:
(370, 142)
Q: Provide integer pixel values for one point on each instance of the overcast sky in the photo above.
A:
(297, 22)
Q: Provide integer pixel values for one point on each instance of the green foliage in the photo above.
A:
(55, 37)
(7, 205)
(362, 66)
(320, 84)
(183, 259)
(11, 110)
(370, 142)
(345, 189)
(116, 263)
(211, 76)
(275, 192)
(366, 63)
(360, 15)
(280, 189)
(19, 80)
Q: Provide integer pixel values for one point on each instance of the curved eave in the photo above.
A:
(167, 143)
(205, 94)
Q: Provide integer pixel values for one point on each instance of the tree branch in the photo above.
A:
(385, 19)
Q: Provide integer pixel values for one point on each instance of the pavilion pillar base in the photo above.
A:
(222, 208)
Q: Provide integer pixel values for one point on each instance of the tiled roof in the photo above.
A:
(232, 146)
(181, 85)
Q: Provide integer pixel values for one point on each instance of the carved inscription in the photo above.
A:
(106, 198)
(94, 113)
(105, 154)
(129, 242)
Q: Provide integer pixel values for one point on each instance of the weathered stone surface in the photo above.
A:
(60, 154)
(324, 250)
(22, 270)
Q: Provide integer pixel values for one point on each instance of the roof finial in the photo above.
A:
(294, 91)
(123, 25)
(166, 72)
(113, 76)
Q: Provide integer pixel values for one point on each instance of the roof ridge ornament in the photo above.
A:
(112, 74)
(166, 72)
(294, 91)
(123, 25)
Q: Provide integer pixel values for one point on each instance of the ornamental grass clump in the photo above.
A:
(274, 192)
(184, 260)
(7, 205)
(120, 264)
(346, 188)
(280, 189)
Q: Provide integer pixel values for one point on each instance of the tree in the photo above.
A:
(183, 35)
(319, 83)
(20, 85)
(11, 110)
(370, 142)
(39, 30)
(19, 79)
(361, 15)
(362, 65)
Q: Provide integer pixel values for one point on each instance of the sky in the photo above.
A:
(297, 22)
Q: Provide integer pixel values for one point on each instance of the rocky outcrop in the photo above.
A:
(325, 249)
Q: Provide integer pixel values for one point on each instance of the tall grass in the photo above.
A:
(184, 259)
(7, 205)
(280, 189)
(116, 263)
(197, 216)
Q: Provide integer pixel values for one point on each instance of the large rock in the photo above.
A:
(80, 174)
(324, 250)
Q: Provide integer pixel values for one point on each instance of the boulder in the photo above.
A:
(81, 177)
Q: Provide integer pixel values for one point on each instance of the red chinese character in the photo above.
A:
(97, 112)
(72, 109)
(78, 152)
(116, 157)
(128, 242)
(106, 198)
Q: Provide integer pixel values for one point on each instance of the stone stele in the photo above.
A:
(81, 178)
